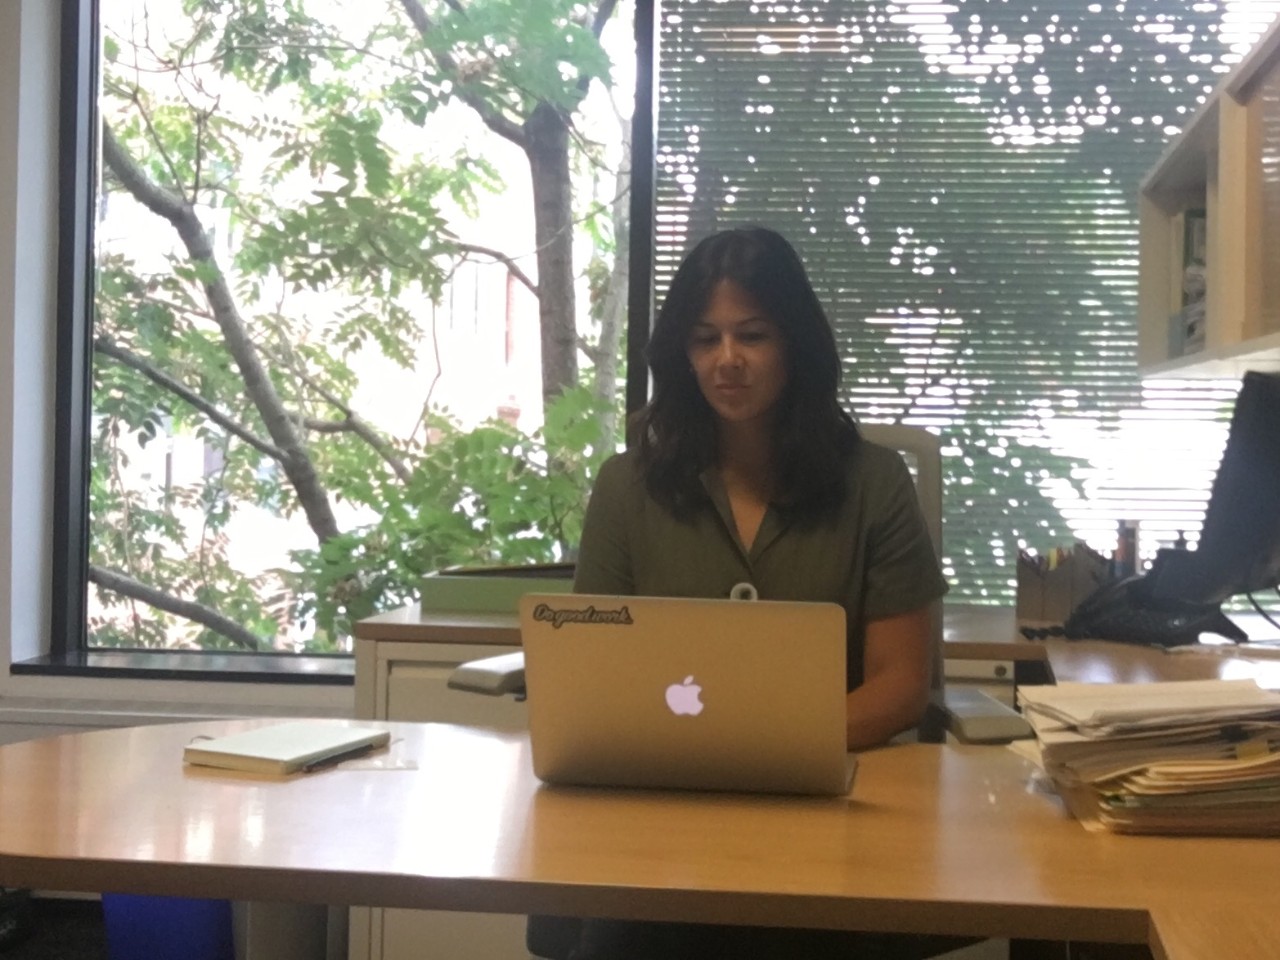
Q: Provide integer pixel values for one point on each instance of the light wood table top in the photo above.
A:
(956, 840)
(1100, 661)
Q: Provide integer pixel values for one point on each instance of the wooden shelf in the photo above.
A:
(1222, 363)
(1223, 163)
(1178, 179)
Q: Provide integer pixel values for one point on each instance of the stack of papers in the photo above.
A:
(1193, 757)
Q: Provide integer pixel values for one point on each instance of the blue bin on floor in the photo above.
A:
(167, 928)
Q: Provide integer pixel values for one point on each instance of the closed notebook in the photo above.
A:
(285, 747)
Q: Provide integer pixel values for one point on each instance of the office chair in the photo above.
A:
(923, 453)
(969, 715)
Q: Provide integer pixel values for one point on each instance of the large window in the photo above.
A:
(359, 280)
(360, 275)
(961, 179)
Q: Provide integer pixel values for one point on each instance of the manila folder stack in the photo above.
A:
(1185, 757)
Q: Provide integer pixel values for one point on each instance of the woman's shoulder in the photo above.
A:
(620, 473)
(877, 477)
(618, 489)
(869, 460)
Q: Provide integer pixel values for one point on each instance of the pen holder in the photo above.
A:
(1050, 586)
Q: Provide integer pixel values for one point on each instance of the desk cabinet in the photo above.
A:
(1215, 193)
(401, 680)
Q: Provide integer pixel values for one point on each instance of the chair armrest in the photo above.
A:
(975, 717)
(493, 676)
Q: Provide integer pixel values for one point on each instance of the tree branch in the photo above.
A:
(590, 352)
(493, 119)
(189, 610)
(352, 422)
(598, 20)
(602, 15)
(326, 426)
(135, 95)
(295, 460)
(385, 254)
(110, 348)
(511, 265)
(151, 195)
(200, 121)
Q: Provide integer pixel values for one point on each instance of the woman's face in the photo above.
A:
(738, 356)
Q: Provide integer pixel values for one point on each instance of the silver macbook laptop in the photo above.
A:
(695, 694)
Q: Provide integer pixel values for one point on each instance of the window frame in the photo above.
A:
(68, 652)
(77, 149)
(77, 123)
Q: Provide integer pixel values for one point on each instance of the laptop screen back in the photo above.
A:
(686, 693)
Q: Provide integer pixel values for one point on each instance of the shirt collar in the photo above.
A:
(771, 527)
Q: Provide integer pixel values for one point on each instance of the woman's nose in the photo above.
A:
(729, 354)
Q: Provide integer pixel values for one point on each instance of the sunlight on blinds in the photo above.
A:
(961, 180)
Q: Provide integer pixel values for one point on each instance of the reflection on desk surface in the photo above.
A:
(1104, 661)
(1257, 649)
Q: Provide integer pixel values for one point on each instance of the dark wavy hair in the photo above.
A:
(676, 430)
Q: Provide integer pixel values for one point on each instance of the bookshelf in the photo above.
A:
(1216, 191)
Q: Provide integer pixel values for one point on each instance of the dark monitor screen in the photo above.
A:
(1239, 549)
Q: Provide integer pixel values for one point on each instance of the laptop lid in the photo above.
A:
(686, 693)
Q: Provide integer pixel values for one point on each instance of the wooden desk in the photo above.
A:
(955, 840)
(410, 624)
(404, 658)
(980, 632)
(970, 632)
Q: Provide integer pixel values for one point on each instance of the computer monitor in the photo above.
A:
(1239, 548)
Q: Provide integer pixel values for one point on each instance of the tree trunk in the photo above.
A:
(613, 312)
(546, 144)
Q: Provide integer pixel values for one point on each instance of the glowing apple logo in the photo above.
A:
(682, 698)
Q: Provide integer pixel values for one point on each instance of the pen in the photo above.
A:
(337, 758)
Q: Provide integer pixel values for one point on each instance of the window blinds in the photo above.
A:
(960, 179)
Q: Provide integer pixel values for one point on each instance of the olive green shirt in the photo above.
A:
(873, 556)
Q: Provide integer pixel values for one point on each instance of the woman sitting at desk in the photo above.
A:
(745, 469)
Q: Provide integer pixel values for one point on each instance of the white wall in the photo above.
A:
(27, 257)
(31, 706)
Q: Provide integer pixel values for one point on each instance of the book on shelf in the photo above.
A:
(1188, 282)
(285, 748)
(1195, 239)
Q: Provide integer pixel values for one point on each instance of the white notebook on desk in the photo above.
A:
(284, 748)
